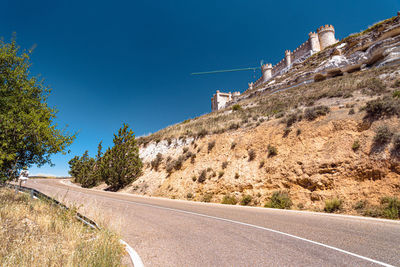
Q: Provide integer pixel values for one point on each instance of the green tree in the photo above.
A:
(28, 133)
(122, 160)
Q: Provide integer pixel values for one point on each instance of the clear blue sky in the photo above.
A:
(110, 62)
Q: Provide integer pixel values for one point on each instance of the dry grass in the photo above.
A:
(36, 233)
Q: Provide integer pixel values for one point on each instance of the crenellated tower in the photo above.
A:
(326, 36)
(314, 42)
(288, 58)
(266, 72)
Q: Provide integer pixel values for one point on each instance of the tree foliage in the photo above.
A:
(28, 133)
(117, 167)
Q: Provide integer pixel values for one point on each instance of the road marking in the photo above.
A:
(137, 262)
(250, 225)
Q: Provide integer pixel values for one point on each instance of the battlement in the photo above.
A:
(266, 66)
(287, 52)
(326, 28)
(313, 35)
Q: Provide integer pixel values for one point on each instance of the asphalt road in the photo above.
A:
(167, 232)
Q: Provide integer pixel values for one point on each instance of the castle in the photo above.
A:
(317, 41)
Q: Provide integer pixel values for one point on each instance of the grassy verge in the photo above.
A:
(36, 233)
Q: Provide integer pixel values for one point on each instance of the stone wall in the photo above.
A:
(302, 50)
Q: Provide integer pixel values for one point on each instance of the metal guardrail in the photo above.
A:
(136, 261)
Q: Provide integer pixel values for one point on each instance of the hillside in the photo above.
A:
(336, 139)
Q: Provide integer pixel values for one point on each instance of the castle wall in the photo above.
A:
(279, 67)
(300, 51)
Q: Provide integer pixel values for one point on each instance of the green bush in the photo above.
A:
(224, 164)
(356, 145)
(272, 151)
(236, 107)
(246, 200)
(211, 145)
(156, 162)
(279, 200)
(390, 207)
(383, 135)
(262, 163)
(202, 176)
(352, 112)
(237, 176)
(396, 94)
(202, 133)
(372, 86)
(233, 145)
(382, 107)
(360, 205)
(220, 174)
(396, 143)
(252, 154)
(332, 205)
(189, 196)
(312, 113)
(207, 197)
(228, 199)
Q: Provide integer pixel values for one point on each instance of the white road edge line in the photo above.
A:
(135, 258)
(266, 229)
(254, 226)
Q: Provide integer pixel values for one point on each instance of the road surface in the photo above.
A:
(167, 232)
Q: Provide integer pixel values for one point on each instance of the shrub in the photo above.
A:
(360, 205)
(279, 115)
(261, 164)
(193, 158)
(383, 135)
(228, 199)
(332, 205)
(246, 200)
(390, 207)
(207, 197)
(178, 162)
(286, 131)
(211, 145)
(202, 176)
(224, 164)
(279, 200)
(291, 119)
(252, 154)
(298, 132)
(352, 112)
(236, 175)
(185, 150)
(396, 83)
(220, 174)
(382, 107)
(233, 145)
(194, 178)
(202, 133)
(396, 94)
(234, 126)
(356, 145)
(189, 195)
(236, 107)
(169, 167)
(374, 85)
(300, 206)
(156, 162)
(396, 143)
(314, 112)
(272, 151)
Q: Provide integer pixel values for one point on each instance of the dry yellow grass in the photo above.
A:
(37, 233)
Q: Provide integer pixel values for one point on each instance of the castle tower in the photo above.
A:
(251, 86)
(266, 72)
(326, 36)
(288, 58)
(314, 42)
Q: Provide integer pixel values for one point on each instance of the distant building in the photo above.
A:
(219, 99)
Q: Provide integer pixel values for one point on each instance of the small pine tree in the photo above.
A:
(124, 164)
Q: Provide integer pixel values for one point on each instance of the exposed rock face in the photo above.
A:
(316, 165)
